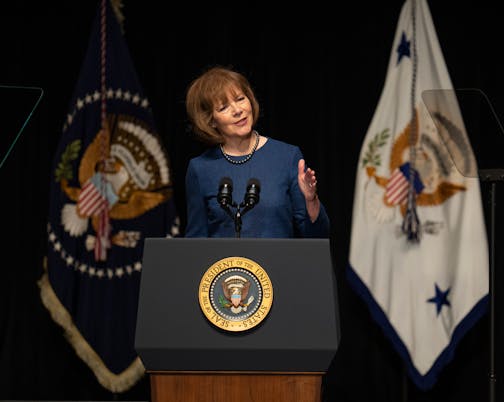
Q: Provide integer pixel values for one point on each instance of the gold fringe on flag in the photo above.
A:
(115, 383)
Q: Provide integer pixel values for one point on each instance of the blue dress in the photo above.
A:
(281, 210)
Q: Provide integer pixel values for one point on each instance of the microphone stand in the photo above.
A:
(239, 213)
(237, 216)
(238, 222)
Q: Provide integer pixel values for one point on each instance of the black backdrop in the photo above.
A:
(318, 70)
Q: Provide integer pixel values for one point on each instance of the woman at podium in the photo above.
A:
(246, 184)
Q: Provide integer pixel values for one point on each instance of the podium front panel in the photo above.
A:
(301, 332)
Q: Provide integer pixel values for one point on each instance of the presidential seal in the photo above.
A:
(235, 294)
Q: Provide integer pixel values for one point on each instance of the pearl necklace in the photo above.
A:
(247, 158)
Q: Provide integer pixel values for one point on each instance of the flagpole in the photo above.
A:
(493, 176)
(492, 375)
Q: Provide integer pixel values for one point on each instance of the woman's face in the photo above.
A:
(233, 117)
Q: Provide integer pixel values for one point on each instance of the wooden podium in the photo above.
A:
(282, 359)
(236, 386)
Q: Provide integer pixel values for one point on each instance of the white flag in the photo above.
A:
(425, 294)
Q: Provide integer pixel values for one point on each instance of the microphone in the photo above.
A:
(225, 196)
(252, 193)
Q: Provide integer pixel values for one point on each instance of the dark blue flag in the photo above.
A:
(111, 188)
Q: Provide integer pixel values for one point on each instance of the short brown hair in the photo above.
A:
(208, 89)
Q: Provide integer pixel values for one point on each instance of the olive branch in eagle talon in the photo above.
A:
(64, 169)
(372, 157)
(224, 303)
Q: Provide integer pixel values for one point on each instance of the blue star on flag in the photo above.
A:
(404, 48)
(440, 299)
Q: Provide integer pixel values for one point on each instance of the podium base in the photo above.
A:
(235, 386)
